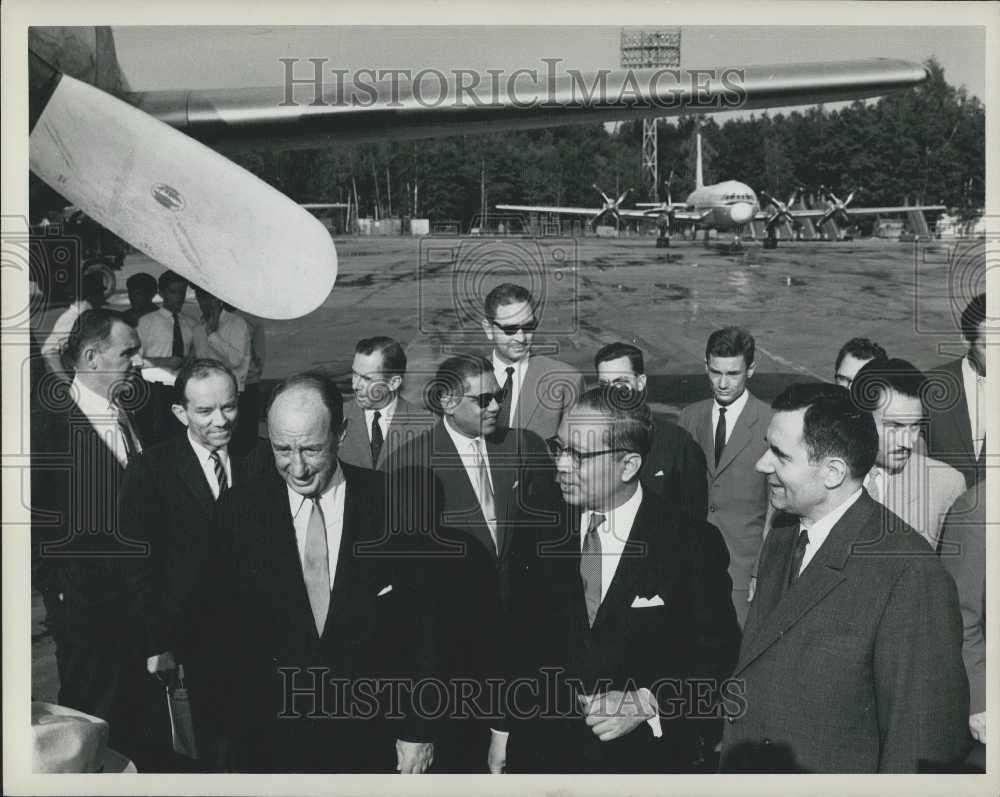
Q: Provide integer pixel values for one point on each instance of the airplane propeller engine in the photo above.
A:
(837, 209)
(610, 206)
(780, 215)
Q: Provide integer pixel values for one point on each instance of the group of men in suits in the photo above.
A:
(566, 576)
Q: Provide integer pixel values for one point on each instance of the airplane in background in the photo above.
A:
(142, 163)
(728, 206)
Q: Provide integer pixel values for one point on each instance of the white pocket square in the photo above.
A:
(384, 591)
(658, 473)
(515, 484)
(645, 603)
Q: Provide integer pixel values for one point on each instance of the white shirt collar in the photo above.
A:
(387, 412)
(463, 443)
(617, 522)
(500, 367)
(205, 454)
(734, 409)
(969, 372)
(296, 500)
(90, 403)
(820, 530)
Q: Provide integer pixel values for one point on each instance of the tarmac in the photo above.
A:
(801, 301)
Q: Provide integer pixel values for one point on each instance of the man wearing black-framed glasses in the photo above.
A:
(475, 488)
(537, 390)
(620, 612)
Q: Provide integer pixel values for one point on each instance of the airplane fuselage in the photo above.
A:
(730, 204)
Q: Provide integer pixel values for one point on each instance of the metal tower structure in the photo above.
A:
(649, 49)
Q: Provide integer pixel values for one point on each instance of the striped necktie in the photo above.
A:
(220, 473)
(590, 566)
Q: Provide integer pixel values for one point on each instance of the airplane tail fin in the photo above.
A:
(699, 179)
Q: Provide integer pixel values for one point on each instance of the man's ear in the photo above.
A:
(751, 368)
(632, 463)
(836, 471)
(179, 413)
(448, 403)
(488, 328)
(394, 382)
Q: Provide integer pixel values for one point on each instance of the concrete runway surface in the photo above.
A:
(800, 301)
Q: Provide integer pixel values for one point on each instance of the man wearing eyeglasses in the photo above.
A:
(536, 390)
(623, 609)
(476, 488)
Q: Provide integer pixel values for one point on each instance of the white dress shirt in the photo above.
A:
(975, 400)
(388, 411)
(156, 332)
(732, 414)
(332, 504)
(231, 343)
(204, 456)
(820, 530)
(614, 532)
(466, 447)
(500, 372)
(103, 416)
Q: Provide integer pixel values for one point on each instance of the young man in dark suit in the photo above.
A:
(675, 466)
(313, 614)
(379, 419)
(477, 489)
(956, 433)
(851, 656)
(168, 499)
(730, 430)
(84, 562)
(626, 625)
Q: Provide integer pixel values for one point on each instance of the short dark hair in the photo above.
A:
(324, 386)
(93, 326)
(168, 278)
(972, 316)
(199, 368)
(617, 350)
(876, 376)
(91, 283)
(141, 281)
(731, 342)
(630, 421)
(505, 293)
(833, 426)
(393, 356)
(449, 380)
(860, 349)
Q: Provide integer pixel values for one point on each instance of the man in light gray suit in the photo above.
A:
(536, 390)
(730, 430)
(907, 482)
(379, 420)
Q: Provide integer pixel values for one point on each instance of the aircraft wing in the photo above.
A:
(853, 211)
(588, 212)
(318, 113)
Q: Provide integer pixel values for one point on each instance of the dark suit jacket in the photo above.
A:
(963, 554)
(857, 668)
(408, 421)
(949, 435)
(737, 494)
(469, 579)
(675, 469)
(276, 712)
(167, 502)
(692, 635)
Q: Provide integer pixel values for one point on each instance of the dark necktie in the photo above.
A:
(177, 348)
(720, 435)
(316, 567)
(590, 566)
(377, 440)
(508, 391)
(133, 446)
(220, 473)
(797, 555)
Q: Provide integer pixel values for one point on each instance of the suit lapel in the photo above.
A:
(527, 396)
(706, 438)
(503, 471)
(357, 439)
(741, 436)
(961, 416)
(823, 574)
(191, 474)
(634, 561)
(462, 507)
(354, 522)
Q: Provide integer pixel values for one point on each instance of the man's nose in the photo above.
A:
(764, 463)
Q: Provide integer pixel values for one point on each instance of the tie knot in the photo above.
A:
(804, 537)
(376, 415)
(722, 410)
(510, 371)
(596, 519)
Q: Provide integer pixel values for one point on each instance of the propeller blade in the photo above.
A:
(605, 197)
(620, 199)
(173, 198)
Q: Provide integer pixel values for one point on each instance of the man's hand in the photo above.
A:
(414, 758)
(977, 726)
(161, 664)
(611, 715)
(496, 758)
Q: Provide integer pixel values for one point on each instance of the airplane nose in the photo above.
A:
(741, 212)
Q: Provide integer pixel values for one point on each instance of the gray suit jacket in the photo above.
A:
(549, 388)
(857, 666)
(407, 423)
(737, 494)
(921, 494)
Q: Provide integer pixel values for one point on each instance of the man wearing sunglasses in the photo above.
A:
(625, 608)
(475, 487)
(536, 390)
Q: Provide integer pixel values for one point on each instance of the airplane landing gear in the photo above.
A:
(771, 241)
